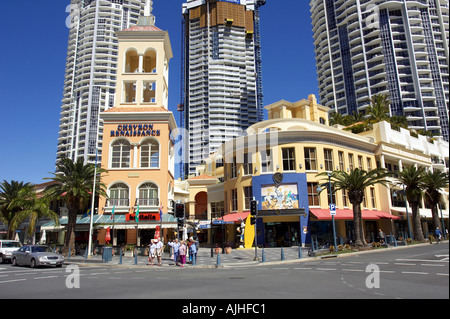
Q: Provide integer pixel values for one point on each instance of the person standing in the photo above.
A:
(381, 236)
(159, 249)
(193, 249)
(182, 251)
(176, 250)
(151, 253)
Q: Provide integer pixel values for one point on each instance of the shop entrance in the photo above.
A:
(282, 234)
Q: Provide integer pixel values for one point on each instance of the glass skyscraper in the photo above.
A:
(222, 90)
(90, 78)
(397, 48)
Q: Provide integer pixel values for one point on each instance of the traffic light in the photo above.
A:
(180, 223)
(179, 210)
(253, 207)
(252, 220)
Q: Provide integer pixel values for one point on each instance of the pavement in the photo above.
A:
(237, 258)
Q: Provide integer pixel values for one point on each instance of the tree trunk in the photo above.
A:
(436, 219)
(360, 240)
(70, 236)
(418, 233)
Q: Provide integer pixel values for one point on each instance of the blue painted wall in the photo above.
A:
(289, 178)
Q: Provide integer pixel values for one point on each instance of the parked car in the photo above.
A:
(36, 255)
(6, 249)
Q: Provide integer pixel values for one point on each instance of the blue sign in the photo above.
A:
(332, 209)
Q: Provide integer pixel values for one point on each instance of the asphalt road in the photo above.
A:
(411, 273)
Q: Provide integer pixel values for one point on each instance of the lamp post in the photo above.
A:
(319, 189)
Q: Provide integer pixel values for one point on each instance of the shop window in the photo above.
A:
(150, 154)
(119, 195)
(121, 154)
(350, 161)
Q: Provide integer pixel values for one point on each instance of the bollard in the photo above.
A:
(218, 260)
(135, 256)
(263, 256)
(395, 241)
(68, 256)
(86, 253)
(300, 252)
(194, 259)
(120, 256)
(282, 253)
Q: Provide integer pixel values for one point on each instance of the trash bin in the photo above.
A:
(107, 254)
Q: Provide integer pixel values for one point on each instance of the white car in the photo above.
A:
(6, 249)
(36, 255)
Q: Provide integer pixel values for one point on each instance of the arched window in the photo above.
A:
(132, 62)
(121, 153)
(119, 195)
(148, 195)
(150, 154)
(150, 61)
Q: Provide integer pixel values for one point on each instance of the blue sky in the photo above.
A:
(32, 66)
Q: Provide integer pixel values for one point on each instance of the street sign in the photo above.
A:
(332, 209)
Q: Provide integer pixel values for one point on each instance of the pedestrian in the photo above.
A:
(182, 251)
(188, 244)
(381, 236)
(176, 250)
(193, 250)
(159, 249)
(151, 252)
(438, 234)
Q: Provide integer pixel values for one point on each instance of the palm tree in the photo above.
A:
(379, 108)
(33, 208)
(9, 192)
(74, 183)
(355, 184)
(432, 183)
(337, 118)
(412, 178)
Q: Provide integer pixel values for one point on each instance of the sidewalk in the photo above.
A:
(238, 257)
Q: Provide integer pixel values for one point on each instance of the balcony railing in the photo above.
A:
(147, 201)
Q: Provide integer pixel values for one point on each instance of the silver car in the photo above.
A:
(36, 255)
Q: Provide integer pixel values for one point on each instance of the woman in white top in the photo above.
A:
(152, 252)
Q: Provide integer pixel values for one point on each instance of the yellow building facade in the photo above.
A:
(297, 142)
(138, 153)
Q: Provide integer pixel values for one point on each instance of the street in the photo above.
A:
(420, 272)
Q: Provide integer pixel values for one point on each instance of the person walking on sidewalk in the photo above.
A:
(176, 250)
(182, 251)
(438, 234)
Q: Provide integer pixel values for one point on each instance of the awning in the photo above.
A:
(105, 221)
(347, 214)
(235, 217)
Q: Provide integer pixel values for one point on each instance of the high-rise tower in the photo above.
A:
(397, 48)
(91, 67)
(221, 90)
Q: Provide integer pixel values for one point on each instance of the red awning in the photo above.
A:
(347, 214)
(234, 217)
